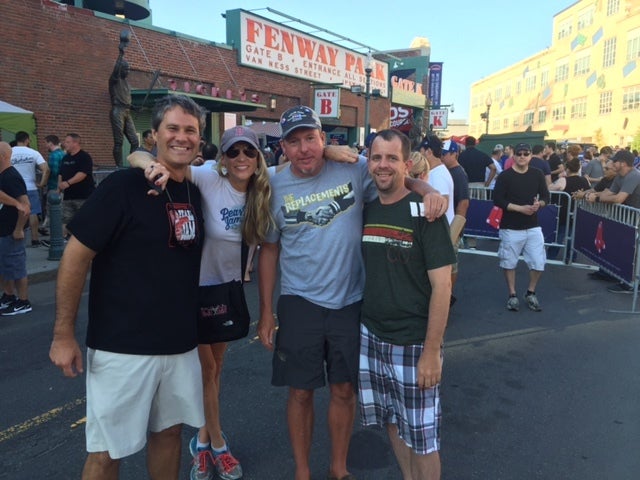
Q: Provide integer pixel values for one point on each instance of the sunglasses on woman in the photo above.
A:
(248, 152)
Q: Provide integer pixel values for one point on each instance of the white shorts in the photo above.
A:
(130, 395)
(529, 243)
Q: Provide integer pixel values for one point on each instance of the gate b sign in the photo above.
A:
(327, 102)
(438, 119)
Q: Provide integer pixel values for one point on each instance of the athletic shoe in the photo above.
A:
(620, 288)
(201, 469)
(17, 308)
(227, 466)
(35, 243)
(513, 304)
(7, 300)
(532, 302)
(45, 243)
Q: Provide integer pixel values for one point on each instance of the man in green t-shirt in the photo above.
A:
(404, 313)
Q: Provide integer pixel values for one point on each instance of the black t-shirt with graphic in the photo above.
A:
(144, 280)
(399, 246)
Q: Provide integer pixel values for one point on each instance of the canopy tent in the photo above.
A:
(15, 119)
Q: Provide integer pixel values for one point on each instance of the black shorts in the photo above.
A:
(311, 339)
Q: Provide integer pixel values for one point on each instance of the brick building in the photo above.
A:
(57, 60)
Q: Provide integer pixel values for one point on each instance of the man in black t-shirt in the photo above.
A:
(14, 213)
(475, 163)
(521, 191)
(143, 373)
(75, 178)
(555, 162)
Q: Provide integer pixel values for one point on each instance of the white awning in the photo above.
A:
(8, 108)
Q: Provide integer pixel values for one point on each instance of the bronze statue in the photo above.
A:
(121, 121)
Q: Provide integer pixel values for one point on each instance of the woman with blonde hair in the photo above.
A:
(420, 167)
(236, 194)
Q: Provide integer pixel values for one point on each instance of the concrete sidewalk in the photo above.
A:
(39, 269)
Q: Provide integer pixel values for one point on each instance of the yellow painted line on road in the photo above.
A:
(82, 421)
(41, 419)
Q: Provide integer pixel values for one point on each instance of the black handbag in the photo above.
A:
(224, 314)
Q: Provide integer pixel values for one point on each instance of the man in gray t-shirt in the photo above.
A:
(625, 188)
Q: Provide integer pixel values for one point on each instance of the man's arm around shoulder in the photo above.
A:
(435, 204)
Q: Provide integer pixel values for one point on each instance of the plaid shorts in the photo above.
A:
(389, 393)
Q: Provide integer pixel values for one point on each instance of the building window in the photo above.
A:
(585, 18)
(544, 78)
(559, 112)
(516, 122)
(564, 29)
(497, 95)
(530, 83)
(505, 123)
(581, 67)
(518, 87)
(612, 7)
(631, 98)
(606, 102)
(562, 71)
(542, 115)
(609, 56)
(579, 108)
(507, 91)
(495, 125)
(527, 119)
(633, 45)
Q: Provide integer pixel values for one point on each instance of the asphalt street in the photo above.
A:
(548, 395)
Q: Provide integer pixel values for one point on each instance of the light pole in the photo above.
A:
(488, 103)
(367, 94)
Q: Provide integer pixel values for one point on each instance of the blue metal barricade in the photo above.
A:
(607, 234)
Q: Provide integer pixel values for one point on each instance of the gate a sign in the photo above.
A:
(439, 119)
(327, 102)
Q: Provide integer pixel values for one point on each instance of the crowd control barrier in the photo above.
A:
(607, 234)
(557, 236)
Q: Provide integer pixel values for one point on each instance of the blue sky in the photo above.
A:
(473, 38)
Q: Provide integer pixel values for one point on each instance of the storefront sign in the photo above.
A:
(327, 102)
(271, 46)
(401, 118)
(405, 90)
(439, 119)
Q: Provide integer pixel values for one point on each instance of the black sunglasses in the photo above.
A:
(523, 154)
(248, 152)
